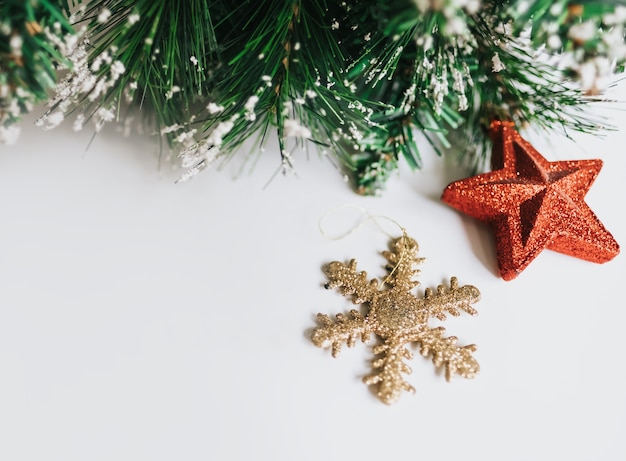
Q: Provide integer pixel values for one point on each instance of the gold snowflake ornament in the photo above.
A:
(398, 318)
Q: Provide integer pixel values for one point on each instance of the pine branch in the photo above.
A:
(358, 79)
(284, 70)
(154, 55)
(407, 66)
(30, 36)
(587, 36)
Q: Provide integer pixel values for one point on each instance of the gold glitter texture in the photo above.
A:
(398, 318)
(532, 204)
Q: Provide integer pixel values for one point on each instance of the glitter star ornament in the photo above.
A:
(398, 318)
(532, 204)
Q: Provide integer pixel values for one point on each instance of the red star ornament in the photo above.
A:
(532, 204)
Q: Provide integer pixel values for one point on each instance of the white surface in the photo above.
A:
(143, 320)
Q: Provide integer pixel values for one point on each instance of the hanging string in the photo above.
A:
(366, 217)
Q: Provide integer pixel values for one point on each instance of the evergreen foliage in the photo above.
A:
(358, 78)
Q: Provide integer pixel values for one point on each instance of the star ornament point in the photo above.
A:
(533, 204)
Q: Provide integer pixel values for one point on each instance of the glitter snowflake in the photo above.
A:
(398, 318)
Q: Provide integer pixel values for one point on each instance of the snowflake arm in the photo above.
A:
(402, 260)
(350, 282)
(346, 328)
(389, 379)
(451, 300)
(445, 352)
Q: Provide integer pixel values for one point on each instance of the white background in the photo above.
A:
(146, 320)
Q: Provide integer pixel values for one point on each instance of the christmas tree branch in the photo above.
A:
(30, 35)
(360, 80)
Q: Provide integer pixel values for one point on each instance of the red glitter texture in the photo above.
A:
(532, 204)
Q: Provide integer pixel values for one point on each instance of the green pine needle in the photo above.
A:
(357, 79)
(29, 56)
